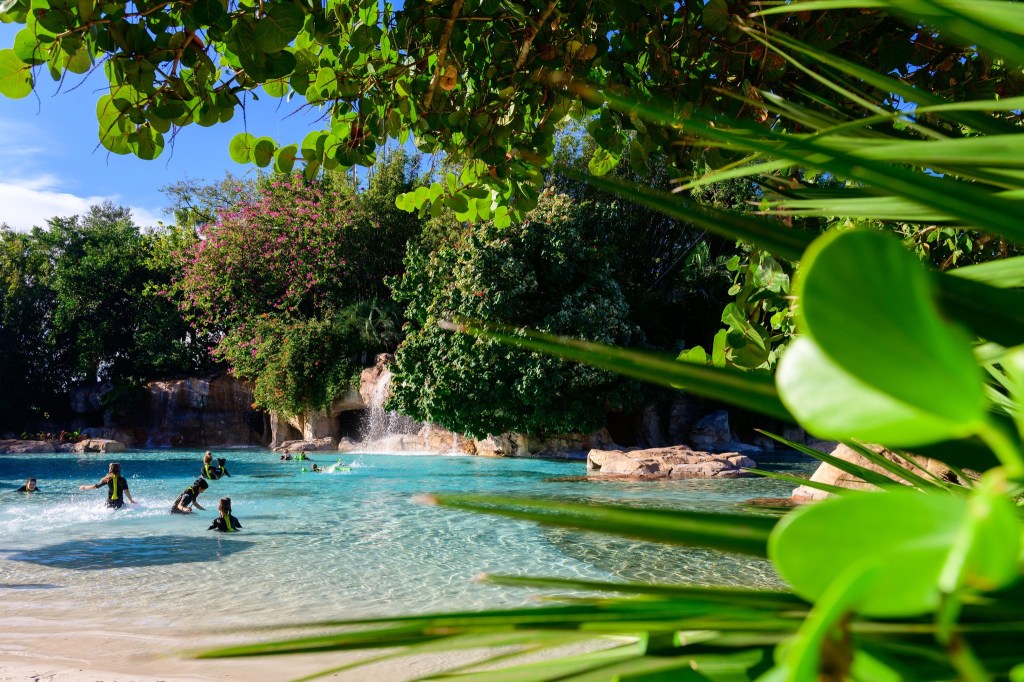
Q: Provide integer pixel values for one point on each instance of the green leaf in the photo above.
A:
(15, 76)
(725, 532)
(285, 157)
(241, 147)
(716, 16)
(275, 31)
(1005, 273)
(858, 529)
(146, 143)
(263, 151)
(889, 392)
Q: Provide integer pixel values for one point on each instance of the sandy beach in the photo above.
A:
(42, 650)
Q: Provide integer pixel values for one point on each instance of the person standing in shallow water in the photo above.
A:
(117, 487)
(225, 523)
(189, 498)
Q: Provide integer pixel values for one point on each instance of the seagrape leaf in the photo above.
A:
(279, 28)
(263, 151)
(904, 537)
(15, 76)
(878, 361)
(241, 147)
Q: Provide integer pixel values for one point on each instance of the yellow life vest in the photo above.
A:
(113, 489)
(228, 528)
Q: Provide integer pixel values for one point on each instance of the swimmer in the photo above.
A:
(29, 487)
(117, 486)
(286, 456)
(301, 456)
(214, 472)
(225, 523)
(316, 468)
(188, 498)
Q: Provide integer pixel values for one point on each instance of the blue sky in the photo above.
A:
(51, 162)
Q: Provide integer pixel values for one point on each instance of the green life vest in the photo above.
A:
(113, 488)
(207, 472)
(228, 528)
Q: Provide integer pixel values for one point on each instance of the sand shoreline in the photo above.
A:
(42, 650)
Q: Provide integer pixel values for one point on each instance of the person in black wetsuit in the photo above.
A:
(225, 523)
(188, 498)
(29, 487)
(214, 472)
(117, 487)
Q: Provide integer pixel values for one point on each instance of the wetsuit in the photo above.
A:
(116, 488)
(24, 489)
(228, 525)
(185, 499)
(214, 472)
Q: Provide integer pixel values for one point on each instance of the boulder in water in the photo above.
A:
(21, 447)
(677, 461)
(99, 445)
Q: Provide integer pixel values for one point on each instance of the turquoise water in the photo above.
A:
(319, 546)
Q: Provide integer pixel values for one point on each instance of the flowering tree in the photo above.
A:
(283, 280)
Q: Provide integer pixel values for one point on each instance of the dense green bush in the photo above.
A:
(551, 272)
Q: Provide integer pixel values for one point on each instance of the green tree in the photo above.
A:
(105, 312)
(551, 272)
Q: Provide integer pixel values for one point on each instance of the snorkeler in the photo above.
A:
(29, 487)
(188, 498)
(117, 487)
(214, 472)
(225, 523)
(316, 468)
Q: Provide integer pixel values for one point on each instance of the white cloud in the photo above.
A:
(29, 202)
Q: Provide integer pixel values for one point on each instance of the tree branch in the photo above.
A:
(525, 49)
(443, 52)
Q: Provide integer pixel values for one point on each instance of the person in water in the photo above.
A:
(117, 487)
(189, 498)
(316, 468)
(214, 472)
(225, 523)
(29, 487)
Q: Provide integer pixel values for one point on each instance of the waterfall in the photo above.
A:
(378, 423)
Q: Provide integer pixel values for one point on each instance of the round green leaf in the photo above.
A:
(834, 404)
(284, 158)
(27, 47)
(263, 151)
(241, 146)
(146, 143)
(279, 28)
(869, 306)
(15, 76)
(907, 534)
(207, 12)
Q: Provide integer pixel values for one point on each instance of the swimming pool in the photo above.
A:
(323, 546)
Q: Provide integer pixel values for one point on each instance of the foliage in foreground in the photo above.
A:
(918, 581)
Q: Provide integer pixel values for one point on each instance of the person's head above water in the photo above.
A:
(114, 468)
(222, 461)
(224, 507)
(207, 458)
(30, 484)
(201, 484)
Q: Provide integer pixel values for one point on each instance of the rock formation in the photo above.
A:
(676, 461)
(830, 475)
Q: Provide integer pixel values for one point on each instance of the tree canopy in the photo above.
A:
(485, 81)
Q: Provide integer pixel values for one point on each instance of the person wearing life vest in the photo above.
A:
(117, 486)
(214, 472)
(188, 498)
(225, 523)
